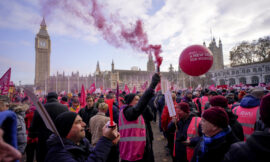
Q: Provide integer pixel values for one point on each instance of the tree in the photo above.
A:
(246, 52)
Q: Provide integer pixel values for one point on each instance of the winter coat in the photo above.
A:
(237, 128)
(39, 129)
(8, 122)
(215, 150)
(181, 135)
(132, 113)
(21, 128)
(75, 153)
(96, 123)
(249, 101)
(87, 113)
(255, 149)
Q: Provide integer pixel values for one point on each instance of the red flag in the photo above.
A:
(127, 89)
(212, 87)
(144, 86)
(134, 89)
(4, 82)
(92, 88)
(83, 97)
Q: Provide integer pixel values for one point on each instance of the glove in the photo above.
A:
(155, 81)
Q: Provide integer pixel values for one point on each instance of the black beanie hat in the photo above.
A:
(52, 95)
(64, 122)
(129, 98)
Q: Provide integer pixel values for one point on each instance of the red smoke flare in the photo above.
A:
(112, 29)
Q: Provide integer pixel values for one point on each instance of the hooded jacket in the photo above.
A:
(249, 101)
(75, 153)
(255, 149)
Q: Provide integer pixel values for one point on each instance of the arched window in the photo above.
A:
(255, 80)
(254, 70)
(267, 79)
(222, 82)
(243, 80)
(231, 81)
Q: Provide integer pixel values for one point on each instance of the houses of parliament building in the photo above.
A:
(108, 79)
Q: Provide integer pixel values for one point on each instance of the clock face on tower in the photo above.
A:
(42, 43)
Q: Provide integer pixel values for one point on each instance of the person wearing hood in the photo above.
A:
(248, 111)
(188, 99)
(20, 110)
(76, 147)
(222, 102)
(38, 127)
(135, 127)
(257, 147)
(181, 125)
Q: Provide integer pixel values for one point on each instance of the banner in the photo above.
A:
(169, 102)
(4, 82)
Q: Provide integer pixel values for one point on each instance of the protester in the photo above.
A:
(217, 136)
(31, 147)
(75, 106)
(76, 147)
(248, 112)
(257, 146)
(131, 122)
(39, 129)
(87, 113)
(181, 123)
(20, 110)
(97, 122)
(7, 152)
(236, 127)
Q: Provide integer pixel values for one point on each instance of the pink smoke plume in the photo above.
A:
(135, 36)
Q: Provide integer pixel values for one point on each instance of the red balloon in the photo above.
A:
(196, 60)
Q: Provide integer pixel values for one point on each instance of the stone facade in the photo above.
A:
(43, 52)
(246, 74)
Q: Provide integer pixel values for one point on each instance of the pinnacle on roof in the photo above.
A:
(43, 23)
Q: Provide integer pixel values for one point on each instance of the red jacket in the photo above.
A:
(165, 117)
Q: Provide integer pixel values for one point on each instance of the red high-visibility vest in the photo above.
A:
(191, 133)
(203, 101)
(247, 117)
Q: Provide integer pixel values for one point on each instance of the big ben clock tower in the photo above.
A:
(43, 52)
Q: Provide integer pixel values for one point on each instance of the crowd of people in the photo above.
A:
(209, 125)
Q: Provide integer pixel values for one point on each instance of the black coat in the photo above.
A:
(87, 113)
(255, 149)
(39, 129)
(237, 128)
(75, 153)
(142, 108)
(216, 150)
(181, 135)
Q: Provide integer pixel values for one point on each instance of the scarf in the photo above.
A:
(208, 140)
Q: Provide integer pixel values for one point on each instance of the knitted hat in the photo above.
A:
(52, 95)
(216, 116)
(219, 101)
(184, 107)
(265, 110)
(64, 122)
(129, 98)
